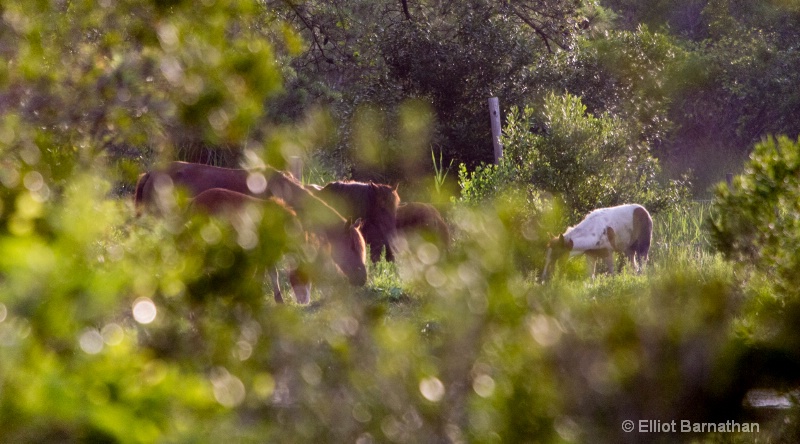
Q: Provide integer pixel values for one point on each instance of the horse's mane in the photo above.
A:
(311, 208)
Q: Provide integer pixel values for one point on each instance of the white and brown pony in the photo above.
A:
(155, 189)
(624, 229)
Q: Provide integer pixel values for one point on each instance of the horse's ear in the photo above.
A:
(561, 238)
(395, 186)
(358, 223)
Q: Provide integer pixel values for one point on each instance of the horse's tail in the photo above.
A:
(138, 197)
(643, 226)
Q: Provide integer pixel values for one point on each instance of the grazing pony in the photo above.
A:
(345, 238)
(624, 228)
(234, 207)
(423, 219)
(194, 178)
(376, 204)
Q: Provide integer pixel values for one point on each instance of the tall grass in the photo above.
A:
(680, 231)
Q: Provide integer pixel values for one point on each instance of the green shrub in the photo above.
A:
(589, 162)
(755, 221)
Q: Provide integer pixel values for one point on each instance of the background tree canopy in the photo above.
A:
(702, 81)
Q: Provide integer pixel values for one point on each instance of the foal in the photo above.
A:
(624, 228)
(233, 206)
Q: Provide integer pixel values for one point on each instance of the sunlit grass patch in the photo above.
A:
(680, 229)
(383, 277)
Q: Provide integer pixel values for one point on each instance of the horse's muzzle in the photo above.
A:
(358, 279)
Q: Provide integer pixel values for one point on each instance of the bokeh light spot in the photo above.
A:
(91, 341)
(112, 334)
(229, 390)
(544, 329)
(432, 389)
(144, 310)
(256, 183)
(483, 386)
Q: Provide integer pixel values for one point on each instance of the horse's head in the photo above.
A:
(349, 252)
(557, 248)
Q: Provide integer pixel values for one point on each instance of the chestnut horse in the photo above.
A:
(233, 206)
(376, 204)
(345, 238)
(424, 219)
(624, 228)
(194, 178)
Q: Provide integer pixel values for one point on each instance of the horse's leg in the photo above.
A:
(301, 286)
(642, 259)
(375, 251)
(276, 286)
(591, 263)
(630, 253)
(389, 254)
(609, 259)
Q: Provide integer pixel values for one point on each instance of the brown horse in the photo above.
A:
(376, 204)
(421, 219)
(194, 178)
(233, 206)
(347, 243)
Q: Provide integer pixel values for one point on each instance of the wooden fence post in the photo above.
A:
(494, 115)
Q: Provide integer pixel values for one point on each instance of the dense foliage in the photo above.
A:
(589, 162)
(755, 222)
(453, 55)
(700, 81)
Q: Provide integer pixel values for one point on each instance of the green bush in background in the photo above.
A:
(589, 162)
(755, 221)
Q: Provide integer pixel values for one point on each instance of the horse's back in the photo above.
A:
(360, 199)
(197, 178)
(632, 227)
(418, 215)
(626, 221)
(220, 201)
(350, 199)
(192, 178)
(422, 219)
